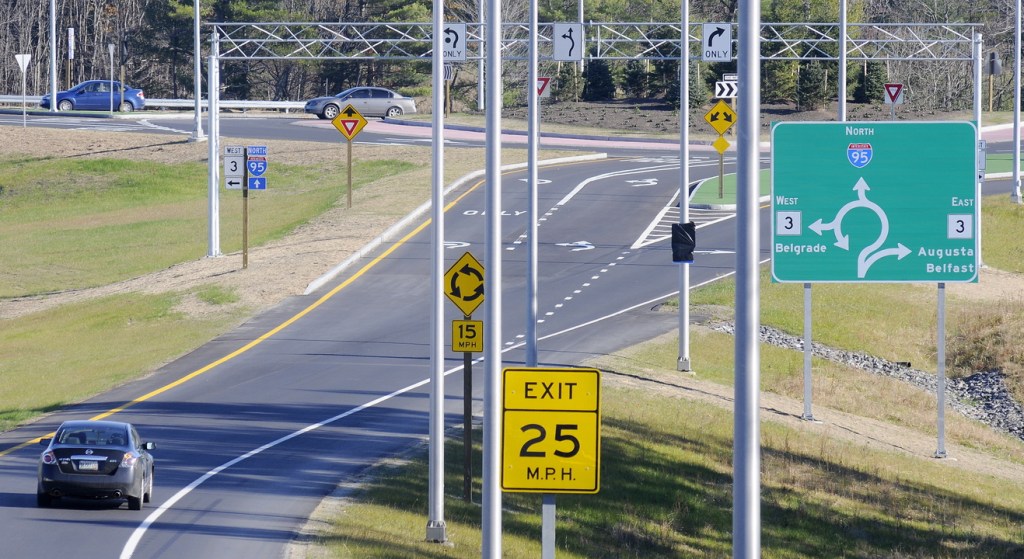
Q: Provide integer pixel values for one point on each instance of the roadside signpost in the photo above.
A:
(893, 95)
(874, 202)
(551, 430)
(23, 60)
(349, 122)
(721, 117)
(252, 179)
(234, 167)
(464, 286)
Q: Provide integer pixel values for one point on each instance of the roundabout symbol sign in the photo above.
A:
(874, 202)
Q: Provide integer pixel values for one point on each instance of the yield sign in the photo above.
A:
(893, 93)
(542, 87)
(349, 122)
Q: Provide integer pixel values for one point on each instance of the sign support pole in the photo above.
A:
(348, 201)
(940, 388)
(467, 424)
(683, 359)
(746, 515)
(245, 212)
(213, 180)
(491, 510)
(808, 353)
(437, 528)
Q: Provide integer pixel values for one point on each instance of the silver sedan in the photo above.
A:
(369, 101)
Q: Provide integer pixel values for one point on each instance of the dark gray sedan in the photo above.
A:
(369, 101)
(96, 460)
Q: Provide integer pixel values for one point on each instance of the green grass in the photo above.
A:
(69, 224)
(709, 192)
(64, 355)
(666, 493)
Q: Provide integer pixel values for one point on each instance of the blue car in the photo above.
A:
(97, 95)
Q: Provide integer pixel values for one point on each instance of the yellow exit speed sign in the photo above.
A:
(551, 430)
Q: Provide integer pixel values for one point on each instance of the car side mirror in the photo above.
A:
(148, 446)
(45, 442)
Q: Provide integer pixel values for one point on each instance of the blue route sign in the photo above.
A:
(257, 166)
(257, 183)
(875, 202)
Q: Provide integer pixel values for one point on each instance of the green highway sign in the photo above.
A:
(875, 202)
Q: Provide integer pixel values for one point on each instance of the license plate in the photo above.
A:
(88, 466)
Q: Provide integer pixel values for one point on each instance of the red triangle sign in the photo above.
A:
(893, 93)
(350, 125)
(542, 86)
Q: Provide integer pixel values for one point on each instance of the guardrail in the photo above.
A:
(33, 102)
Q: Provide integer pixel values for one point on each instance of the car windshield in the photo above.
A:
(100, 436)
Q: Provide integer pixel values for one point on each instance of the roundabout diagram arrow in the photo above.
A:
(874, 251)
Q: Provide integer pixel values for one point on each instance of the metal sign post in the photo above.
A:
(255, 167)
(349, 122)
(23, 60)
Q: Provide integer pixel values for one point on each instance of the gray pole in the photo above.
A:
(808, 354)
(683, 360)
(940, 389)
(110, 48)
(842, 60)
(436, 527)
(533, 102)
(480, 81)
(746, 516)
(548, 507)
(53, 56)
(491, 548)
(978, 62)
(213, 83)
(1016, 108)
(197, 131)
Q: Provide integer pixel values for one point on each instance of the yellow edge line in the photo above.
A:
(262, 338)
(277, 329)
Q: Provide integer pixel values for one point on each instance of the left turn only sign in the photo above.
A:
(464, 284)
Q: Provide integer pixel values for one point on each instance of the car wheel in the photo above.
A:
(134, 503)
(147, 497)
(127, 107)
(394, 111)
(331, 112)
(65, 105)
(43, 500)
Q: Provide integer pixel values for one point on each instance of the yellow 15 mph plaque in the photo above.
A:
(551, 430)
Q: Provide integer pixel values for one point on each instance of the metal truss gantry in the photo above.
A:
(606, 41)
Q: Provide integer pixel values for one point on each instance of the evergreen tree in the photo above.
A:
(811, 86)
(778, 81)
(870, 78)
(569, 84)
(636, 79)
(598, 83)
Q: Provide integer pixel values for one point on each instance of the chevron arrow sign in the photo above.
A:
(726, 90)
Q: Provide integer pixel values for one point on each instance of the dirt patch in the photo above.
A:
(660, 118)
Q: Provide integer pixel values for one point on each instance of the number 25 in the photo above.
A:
(560, 436)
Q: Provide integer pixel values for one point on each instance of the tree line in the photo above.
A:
(153, 49)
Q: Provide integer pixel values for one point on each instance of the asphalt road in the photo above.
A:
(272, 418)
